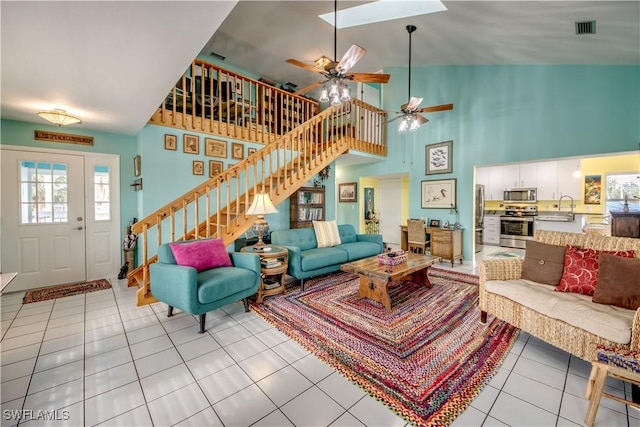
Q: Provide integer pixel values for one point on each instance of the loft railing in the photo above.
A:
(217, 207)
(211, 99)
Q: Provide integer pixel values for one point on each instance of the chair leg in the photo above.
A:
(170, 311)
(600, 377)
(203, 318)
(245, 300)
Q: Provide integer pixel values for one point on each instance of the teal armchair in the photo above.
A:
(196, 292)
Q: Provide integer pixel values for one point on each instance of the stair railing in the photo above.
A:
(217, 207)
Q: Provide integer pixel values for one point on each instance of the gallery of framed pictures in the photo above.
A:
(438, 194)
(439, 158)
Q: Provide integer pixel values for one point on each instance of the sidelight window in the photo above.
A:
(101, 193)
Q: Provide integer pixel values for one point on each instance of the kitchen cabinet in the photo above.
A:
(491, 234)
(497, 178)
(568, 183)
(547, 180)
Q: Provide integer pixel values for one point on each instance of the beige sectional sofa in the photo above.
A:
(569, 321)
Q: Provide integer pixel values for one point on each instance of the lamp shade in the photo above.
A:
(59, 117)
(261, 205)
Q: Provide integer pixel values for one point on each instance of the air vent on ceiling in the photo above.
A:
(586, 27)
(217, 55)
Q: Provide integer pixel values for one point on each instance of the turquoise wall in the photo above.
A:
(504, 114)
(22, 134)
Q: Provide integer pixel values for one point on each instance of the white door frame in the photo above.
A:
(108, 262)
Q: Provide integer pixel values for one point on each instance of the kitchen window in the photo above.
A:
(617, 187)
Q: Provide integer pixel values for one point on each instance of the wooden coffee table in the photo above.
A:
(375, 278)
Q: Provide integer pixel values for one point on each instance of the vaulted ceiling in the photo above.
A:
(113, 62)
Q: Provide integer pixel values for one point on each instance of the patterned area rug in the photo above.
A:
(67, 290)
(427, 358)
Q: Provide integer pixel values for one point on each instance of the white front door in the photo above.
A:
(43, 224)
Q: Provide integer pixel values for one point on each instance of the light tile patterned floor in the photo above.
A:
(99, 360)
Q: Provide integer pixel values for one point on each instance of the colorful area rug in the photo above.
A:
(427, 358)
(67, 290)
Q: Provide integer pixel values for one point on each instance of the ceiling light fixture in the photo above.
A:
(335, 89)
(59, 117)
(322, 62)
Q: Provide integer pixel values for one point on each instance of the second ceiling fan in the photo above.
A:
(410, 112)
(337, 73)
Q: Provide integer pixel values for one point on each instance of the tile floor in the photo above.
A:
(97, 359)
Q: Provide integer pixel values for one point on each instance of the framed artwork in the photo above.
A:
(170, 142)
(368, 203)
(348, 192)
(434, 223)
(439, 158)
(191, 144)
(592, 189)
(439, 194)
(215, 148)
(237, 150)
(215, 168)
(250, 151)
(137, 165)
(198, 167)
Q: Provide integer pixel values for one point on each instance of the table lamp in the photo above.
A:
(261, 206)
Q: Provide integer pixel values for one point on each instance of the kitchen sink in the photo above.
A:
(556, 218)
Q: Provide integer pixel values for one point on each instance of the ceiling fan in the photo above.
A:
(337, 73)
(409, 112)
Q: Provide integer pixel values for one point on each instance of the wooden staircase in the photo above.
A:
(217, 207)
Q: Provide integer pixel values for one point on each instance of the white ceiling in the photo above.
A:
(113, 62)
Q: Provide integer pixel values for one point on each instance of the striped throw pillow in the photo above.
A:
(326, 233)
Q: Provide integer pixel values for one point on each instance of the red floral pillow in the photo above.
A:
(580, 273)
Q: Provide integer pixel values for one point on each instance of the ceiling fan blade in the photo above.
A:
(394, 119)
(413, 104)
(303, 65)
(350, 58)
(443, 107)
(308, 88)
(421, 119)
(369, 77)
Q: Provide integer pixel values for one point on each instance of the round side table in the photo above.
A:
(272, 278)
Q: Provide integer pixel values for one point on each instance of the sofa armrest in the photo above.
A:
(374, 238)
(500, 269)
(174, 284)
(295, 260)
(250, 261)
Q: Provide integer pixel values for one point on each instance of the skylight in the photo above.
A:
(383, 10)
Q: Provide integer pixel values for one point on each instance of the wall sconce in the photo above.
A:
(59, 117)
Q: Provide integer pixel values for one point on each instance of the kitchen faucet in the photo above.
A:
(560, 203)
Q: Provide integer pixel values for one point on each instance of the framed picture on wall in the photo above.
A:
(348, 192)
(215, 168)
(198, 167)
(439, 158)
(439, 194)
(237, 151)
(170, 142)
(191, 144)
(215, 148)
(592, 189)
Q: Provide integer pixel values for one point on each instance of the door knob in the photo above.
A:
(79, 228)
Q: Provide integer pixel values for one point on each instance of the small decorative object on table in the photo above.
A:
(393, 258)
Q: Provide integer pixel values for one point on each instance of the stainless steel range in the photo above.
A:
(516, 226)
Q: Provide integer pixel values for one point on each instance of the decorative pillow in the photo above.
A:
(543, 263)
(201, 254)
(618, 282)
(327, 233)
(581, 269)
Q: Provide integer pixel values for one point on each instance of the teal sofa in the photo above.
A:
(307, 260)
(199, 292)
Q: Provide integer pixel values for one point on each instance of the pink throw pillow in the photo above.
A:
(580, 273)
(201, 254)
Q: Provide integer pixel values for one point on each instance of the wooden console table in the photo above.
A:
(446, 243)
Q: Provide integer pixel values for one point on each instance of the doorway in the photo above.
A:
(390, 190)
(60, 216)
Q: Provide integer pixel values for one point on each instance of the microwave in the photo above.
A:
(520, 195)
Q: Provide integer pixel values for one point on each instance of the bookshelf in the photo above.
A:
(305, 206)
